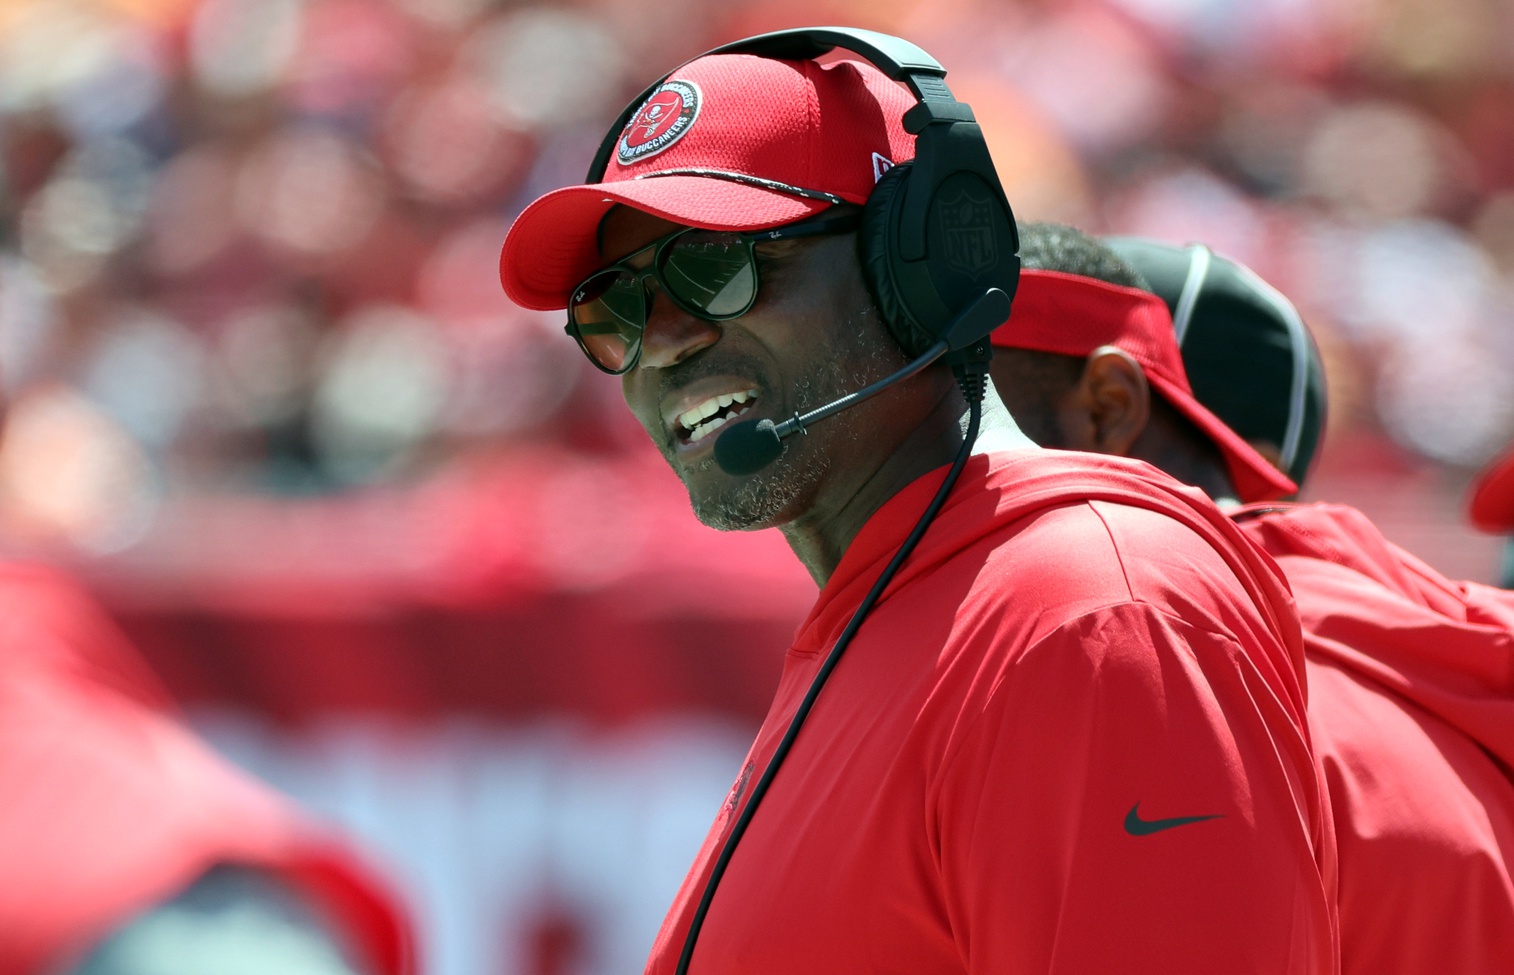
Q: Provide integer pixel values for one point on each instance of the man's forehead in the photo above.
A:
(624, 230)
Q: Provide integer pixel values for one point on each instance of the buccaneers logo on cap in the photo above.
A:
(662, 121)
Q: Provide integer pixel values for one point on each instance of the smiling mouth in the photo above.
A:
(698, 422)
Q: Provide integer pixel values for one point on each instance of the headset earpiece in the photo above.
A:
(875, 252)
(939, 233)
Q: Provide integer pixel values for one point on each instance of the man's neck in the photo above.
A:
(998, 431)
(821, 537)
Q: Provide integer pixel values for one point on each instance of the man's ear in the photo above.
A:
(1114, 393)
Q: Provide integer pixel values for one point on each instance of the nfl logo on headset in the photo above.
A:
(967, 231)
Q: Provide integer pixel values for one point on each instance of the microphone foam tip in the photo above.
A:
(747, 447)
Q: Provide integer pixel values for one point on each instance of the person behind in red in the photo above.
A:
(128, 847)
(1410, 675)
(1069, 734)
(1491, 507)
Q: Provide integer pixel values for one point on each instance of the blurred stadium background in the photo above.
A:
(398, 548)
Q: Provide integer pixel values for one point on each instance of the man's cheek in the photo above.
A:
(644, 409)
(631, 392)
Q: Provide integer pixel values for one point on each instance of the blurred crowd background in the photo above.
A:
(266, 397)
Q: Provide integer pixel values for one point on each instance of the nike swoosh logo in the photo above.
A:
(1136, 826)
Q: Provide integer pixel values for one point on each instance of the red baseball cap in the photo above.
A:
(1069, 314)
(727, 142)
(1492, 504)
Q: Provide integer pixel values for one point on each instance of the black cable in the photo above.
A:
(973, 388)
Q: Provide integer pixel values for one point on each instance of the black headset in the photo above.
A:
(937, 231)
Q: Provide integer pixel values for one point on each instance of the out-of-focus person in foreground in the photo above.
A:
(127, 847)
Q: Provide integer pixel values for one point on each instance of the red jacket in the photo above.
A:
(111, 805)
(1411, 706)
(1070, 738)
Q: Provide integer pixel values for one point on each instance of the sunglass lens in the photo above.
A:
(610, 312)
(713, 272)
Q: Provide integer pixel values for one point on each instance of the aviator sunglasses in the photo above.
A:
(710, 274)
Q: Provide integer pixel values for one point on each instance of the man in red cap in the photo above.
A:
(1410, 675)
(128, 847)
(1069, 734)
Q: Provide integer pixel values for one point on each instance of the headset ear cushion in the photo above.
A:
(876, 253)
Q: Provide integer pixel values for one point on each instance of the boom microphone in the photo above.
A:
(747, 446)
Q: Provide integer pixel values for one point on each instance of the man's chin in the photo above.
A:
(742, 505)
(751, 502)
(728, 502)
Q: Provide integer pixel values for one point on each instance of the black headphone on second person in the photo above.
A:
(937, 231)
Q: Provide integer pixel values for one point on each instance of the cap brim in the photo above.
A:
(1254, 477)
(1492, 504)
(554, 244)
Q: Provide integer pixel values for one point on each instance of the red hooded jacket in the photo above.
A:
(1069, 738)
(1411, 707)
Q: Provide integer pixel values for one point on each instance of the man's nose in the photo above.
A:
(672, 334)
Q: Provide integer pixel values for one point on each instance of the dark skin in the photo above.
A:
(811, 336)
(1108, 409)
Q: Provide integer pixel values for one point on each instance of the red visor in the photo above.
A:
(1069, 314)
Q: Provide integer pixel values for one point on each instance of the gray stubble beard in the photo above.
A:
(762, 499)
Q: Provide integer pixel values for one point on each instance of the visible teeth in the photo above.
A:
(705, 429)
(691, 419)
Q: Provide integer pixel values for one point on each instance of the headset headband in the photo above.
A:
(897, 58)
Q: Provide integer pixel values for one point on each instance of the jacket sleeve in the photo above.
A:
(1131, 797)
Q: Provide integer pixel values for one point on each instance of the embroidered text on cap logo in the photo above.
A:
(663, 119)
